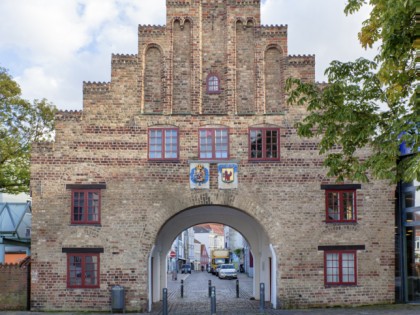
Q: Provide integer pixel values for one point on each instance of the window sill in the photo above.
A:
(86, 224)
(340, 285)
(162, 161)
(341, 222)
(213, 161)
(263, 161)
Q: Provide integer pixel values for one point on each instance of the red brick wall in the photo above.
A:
(14, 287)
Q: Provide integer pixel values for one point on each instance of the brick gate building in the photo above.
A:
(193, 129)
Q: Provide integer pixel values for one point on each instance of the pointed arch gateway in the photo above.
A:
(265, 261)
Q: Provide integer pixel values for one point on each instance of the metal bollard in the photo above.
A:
(237, 288)
(165, 302)
(262, 297)
(213, 301)
(182, 288)
(209, 288)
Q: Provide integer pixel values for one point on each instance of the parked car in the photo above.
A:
(216, 271)
(227, 271)
(186, 268)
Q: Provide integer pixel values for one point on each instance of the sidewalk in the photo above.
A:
(397, 309)
(197, 302)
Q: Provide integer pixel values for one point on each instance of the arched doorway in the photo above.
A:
(265, 262)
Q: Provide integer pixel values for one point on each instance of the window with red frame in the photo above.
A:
(340, 268)
(213, 84)
(214, 143)
(264, 144)
(86, 206)
(83, 270)
(163, 144)
(341, 205)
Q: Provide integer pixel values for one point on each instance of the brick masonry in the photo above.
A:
(14, 288)
(165, 85)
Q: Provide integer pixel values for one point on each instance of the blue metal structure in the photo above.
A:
(15, 226)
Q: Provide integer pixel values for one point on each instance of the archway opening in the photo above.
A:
(264, 257)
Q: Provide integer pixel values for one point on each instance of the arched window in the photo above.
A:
(213, 84)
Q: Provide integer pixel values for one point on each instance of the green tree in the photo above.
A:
(368, 103)
(21, 123)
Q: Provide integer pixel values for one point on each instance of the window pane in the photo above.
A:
(408, 199)
(332, 268)
(78, 206)
(206, 144)
(213, 84)
(75, 270)
(348, 208)
(91, 268)
(93, 206)
(333, 206)
(155, 143)
(171, 144)
(348, 267)
(256, 143)
(270, 144)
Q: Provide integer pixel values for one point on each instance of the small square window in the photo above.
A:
(340, 267)
(82, 270)
(163, 144)
(86, 206)
(214, 143)
(264, 144)
(340, 205)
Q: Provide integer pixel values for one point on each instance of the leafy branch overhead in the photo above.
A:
(21, 123)
(368, 103)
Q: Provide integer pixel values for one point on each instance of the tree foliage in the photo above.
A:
(368, 103)
(21, 123)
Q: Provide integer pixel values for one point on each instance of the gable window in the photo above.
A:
(83, 270)
(340, 267)
(213, 84)
(341, 205)
(214, 143)
(264, 144)
(86, 206)
(163, 144)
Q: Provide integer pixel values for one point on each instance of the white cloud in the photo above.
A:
(52, 46)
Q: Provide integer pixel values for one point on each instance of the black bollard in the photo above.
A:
(237, 288)
(262, 297)
(182, 288)
(209, 288)
(165, 302)
(213, 301)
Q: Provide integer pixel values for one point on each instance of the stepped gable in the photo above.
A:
(120, 58)
(301, 59)
(321, 85)
(178, 3)
(68, 115)
(95, 87)
(152, 30)
(274, 30)
(246, 2)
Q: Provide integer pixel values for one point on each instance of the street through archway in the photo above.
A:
(196, 299)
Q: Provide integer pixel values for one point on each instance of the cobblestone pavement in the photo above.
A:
(197, 302)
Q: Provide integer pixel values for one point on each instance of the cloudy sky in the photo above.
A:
(51, 46)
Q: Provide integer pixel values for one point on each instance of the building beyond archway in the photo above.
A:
(197, 123)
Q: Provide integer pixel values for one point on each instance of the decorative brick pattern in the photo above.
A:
(153, 78)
